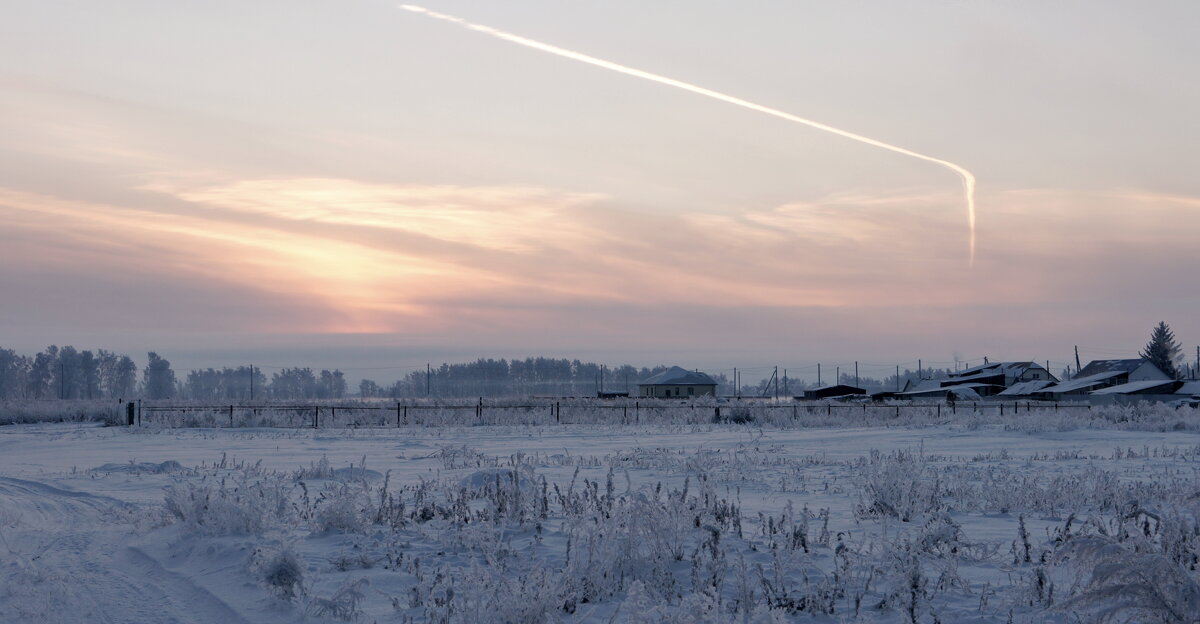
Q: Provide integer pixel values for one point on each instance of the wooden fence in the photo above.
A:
(550, 412)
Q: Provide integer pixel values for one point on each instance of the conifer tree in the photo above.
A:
(1163, 350)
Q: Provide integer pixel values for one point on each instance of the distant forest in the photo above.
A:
(69, 373)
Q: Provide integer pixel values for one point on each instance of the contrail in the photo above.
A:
(968, 179)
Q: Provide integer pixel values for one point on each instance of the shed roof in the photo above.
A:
(1134, 387)
(957, 388)
(1026, 387)
(1083, 383)
(1189, 387)
(676, 376)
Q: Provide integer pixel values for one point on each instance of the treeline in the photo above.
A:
(69, 373)
(563, 377)
(488, 377)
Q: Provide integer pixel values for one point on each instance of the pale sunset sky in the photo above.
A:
(343, 183)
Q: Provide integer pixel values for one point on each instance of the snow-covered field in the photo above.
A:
(595, 523)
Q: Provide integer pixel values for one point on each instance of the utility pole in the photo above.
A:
(736, 391)
(786, 391)
(818, 374)
(777, 383)
(897, 378)
(251, 382)
(855, 374)
(428, 372)
(920, 371)
(1078, 366)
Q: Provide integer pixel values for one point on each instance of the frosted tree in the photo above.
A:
(1163, 350)
(158, 380)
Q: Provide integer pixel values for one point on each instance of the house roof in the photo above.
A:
(1026, 387)
(1083, 383)
(1189, 387)
(1134, 387)
(923, 385)
(994, 368)
(836, 387)
(1106, 366)
(676, 376)
(957, 388)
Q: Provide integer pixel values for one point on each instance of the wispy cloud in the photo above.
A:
(451, 261)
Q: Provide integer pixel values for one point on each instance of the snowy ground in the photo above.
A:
(596, 524)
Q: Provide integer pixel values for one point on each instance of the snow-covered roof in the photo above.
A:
(1189, 388)
(963, 393)
(1026, 387)
(924, 385)
(835, 387)
(1106, 366)
(1083, 383)
(969, 387)
(1135, 386)
(676, 376)
(995, 368)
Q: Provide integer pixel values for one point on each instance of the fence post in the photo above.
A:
(828, 409)
(637, 412)
(557, 409)
(897, 411)
(794, 411)
(625, 414)
(717, 415)
(231, 417)
(316, 416)
(139, 412)
(129, 413)
(939, 415)
(397, 414)
(1002, 409)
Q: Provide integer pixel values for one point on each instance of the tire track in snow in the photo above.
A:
(63, 558)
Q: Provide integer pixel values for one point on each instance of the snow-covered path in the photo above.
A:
(68, 557)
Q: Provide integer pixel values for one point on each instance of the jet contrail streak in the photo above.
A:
(968, 179)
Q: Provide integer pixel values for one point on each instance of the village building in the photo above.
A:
(986, 380)
(678, 382)
(1102, 374)
(835, 391)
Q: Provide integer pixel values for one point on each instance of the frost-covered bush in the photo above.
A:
(74, 410)
(280, 569)
(1124, 585)
(344, 604)
(343, 507)
(899, 485)
(238, 505)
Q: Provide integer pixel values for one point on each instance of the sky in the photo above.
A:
(349, 184)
